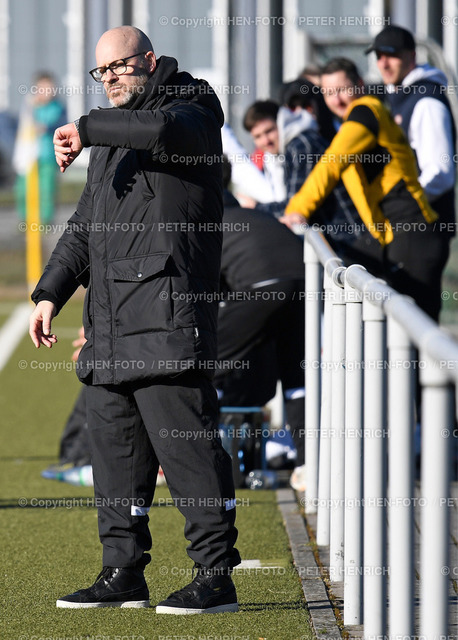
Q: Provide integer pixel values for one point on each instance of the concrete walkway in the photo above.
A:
(326, 601)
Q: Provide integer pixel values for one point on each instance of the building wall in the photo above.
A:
(38, 35)
(37, 42)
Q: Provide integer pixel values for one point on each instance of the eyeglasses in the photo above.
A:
(118, 67)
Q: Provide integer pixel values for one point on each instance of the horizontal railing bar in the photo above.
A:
(421, 329)
(326, 255)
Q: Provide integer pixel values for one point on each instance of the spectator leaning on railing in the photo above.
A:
(371, 155)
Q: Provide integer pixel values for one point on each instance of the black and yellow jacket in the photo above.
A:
(372, 156)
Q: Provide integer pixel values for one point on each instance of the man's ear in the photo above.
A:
(151, 61)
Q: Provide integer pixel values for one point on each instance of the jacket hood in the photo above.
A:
(291, 124)
(425, 72)
(169, 83)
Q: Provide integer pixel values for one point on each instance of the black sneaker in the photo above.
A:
(207, 593)
(114, 587)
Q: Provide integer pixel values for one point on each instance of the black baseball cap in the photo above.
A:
(392, 40)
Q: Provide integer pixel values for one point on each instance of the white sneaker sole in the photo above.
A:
(178, 611)
(135, 604)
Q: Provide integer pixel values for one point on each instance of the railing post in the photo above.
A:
(324, 473)
(336, 542)
(353, 456)
(401, 393)
(312, 373)
(437, 422)
(374, 471)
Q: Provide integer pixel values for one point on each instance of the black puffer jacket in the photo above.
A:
(146, 234)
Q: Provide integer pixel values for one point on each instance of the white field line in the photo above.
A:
(13, 330)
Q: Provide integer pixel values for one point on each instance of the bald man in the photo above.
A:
(144, 240)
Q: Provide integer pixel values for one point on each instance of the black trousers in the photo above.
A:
(74, 443)
(413, 265)
(267, 332)
(173, 423)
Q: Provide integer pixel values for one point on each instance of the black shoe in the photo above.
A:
(207, 593)
(114, 587)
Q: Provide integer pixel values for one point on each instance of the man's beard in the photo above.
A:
(129, 94)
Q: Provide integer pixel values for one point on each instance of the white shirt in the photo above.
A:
(430, 135)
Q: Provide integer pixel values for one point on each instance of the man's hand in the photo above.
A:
(78, 343)
(67, 145)
(295, 221)
(40, 324)
(245, 201)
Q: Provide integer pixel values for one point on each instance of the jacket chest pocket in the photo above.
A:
(141, 293)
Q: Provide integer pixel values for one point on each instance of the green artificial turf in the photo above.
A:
(49, 536)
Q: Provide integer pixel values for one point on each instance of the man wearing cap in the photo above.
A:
(417, 96)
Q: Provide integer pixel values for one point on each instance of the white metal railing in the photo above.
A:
(360, 415)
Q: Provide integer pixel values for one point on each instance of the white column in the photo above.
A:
(263, 53)
(4, 54)
(353, 559)
(374, 10)
(403, 13)
(401, 393)
(437, 423)
(242, 64)
(140, 15)
(450, 32)
(115, 13)
(294, 42)
(220, 49)
(422, 21)
(374, 472)
(312, 374)
(336, 542)
(324, 473)
(76, 72)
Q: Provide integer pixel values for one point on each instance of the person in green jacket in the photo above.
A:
(44, 113)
